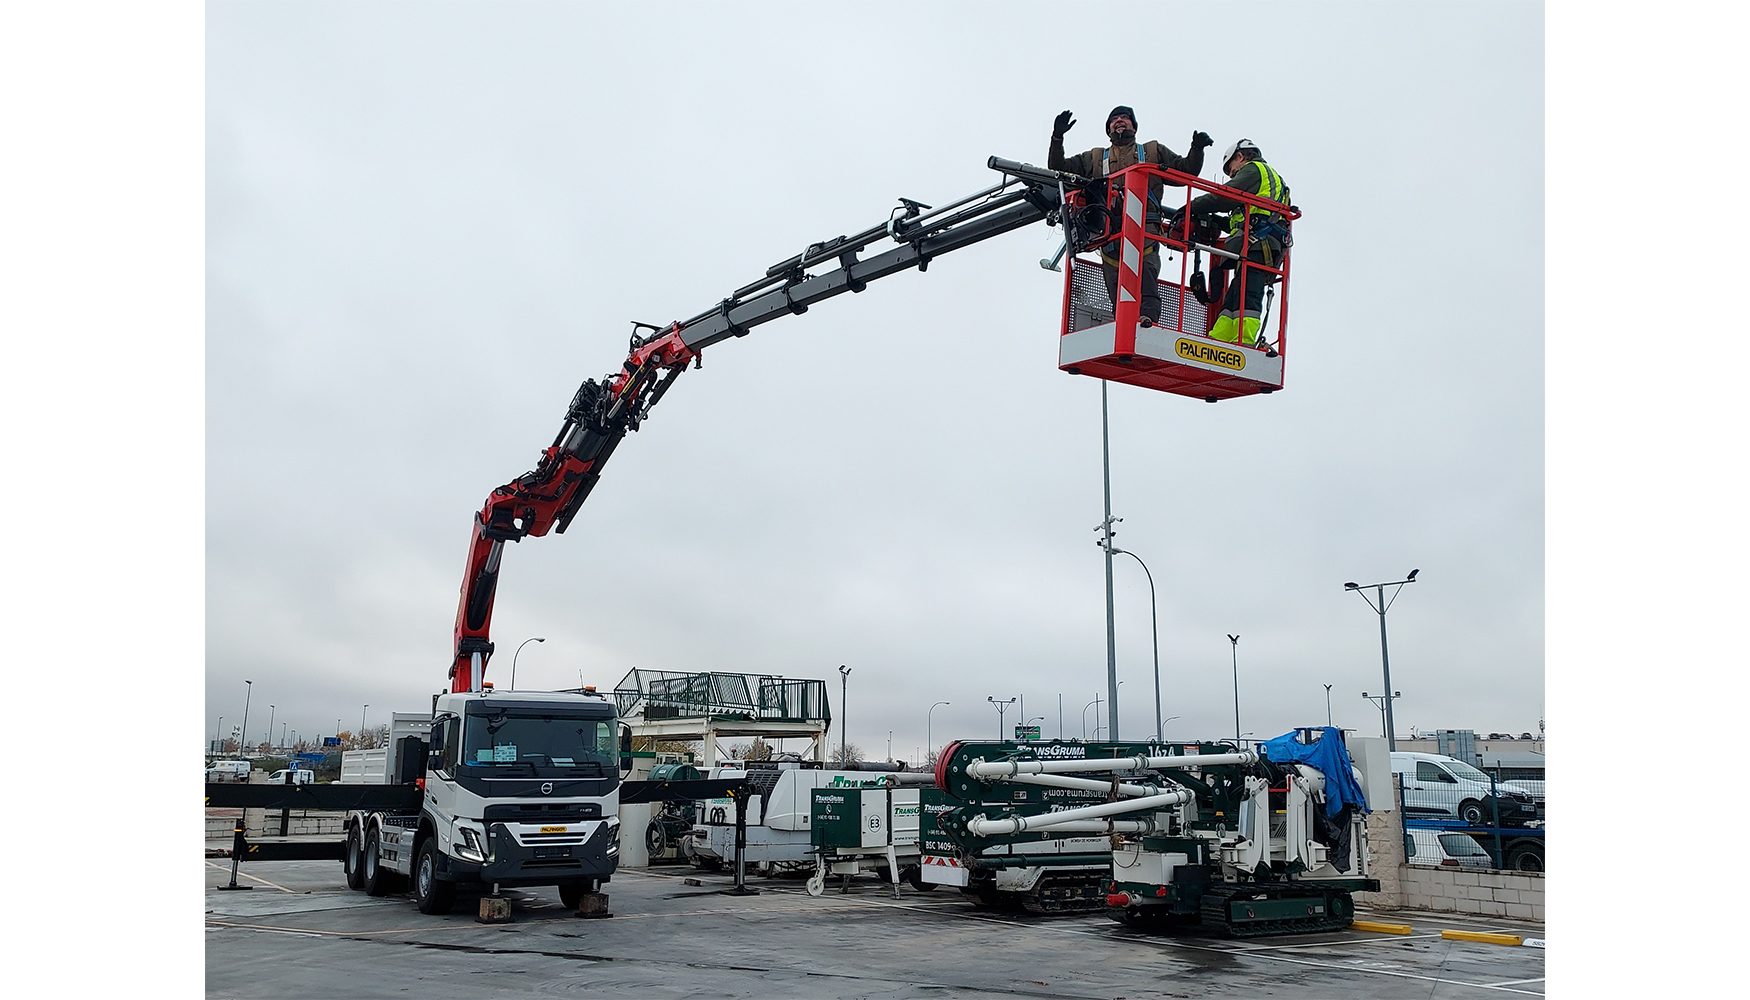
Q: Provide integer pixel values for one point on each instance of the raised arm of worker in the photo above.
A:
(1191, 163)
(1055, 160)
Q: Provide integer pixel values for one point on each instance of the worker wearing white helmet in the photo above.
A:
(1244, 162)
(1125, 151)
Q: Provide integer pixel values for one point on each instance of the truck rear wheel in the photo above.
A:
(379, 881)
(430, 893)
(353, 860)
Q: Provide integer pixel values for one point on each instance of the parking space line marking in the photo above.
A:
(257, 878)
(1519, 982)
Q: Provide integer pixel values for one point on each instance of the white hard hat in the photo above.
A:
(1228, 156)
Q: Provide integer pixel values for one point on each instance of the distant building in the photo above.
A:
(1507, 757)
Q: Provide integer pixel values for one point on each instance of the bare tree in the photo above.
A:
(759, 749)
(848, 753)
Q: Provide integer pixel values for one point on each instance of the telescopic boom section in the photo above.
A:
(601, 413)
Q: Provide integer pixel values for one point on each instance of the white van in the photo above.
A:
(1446, 787)
(1448, 850)
(299, 777)
(228, 770)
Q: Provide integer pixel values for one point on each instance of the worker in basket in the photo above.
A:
(1125, 151)
(1244, 162)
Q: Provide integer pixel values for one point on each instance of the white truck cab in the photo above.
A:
(521, 788)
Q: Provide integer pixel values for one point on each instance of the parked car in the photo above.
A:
(1449, 850)
(1446, 787)
(299, 777)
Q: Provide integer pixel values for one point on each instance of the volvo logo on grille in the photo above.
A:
(546, 788)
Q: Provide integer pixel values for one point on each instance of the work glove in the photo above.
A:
(1063, 124)
(1199, 140)
(1199, 287)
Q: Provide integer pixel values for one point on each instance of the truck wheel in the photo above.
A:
(571, 894)
(353, 862)
(1526, 859)
(914, 876)
(1471, 811)
(377, 879)
(430, 893)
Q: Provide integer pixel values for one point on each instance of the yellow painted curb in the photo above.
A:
(1368, 925)
(1512, 939)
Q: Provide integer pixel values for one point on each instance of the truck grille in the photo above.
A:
(532, 839)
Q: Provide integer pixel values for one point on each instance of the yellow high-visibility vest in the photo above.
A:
(1269, 186)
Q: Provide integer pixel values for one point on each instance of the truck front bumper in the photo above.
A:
(520, 854)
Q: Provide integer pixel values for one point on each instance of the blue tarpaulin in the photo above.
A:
(1330, 757)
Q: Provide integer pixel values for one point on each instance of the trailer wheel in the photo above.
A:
(353, 861)
(377, 879)
(430, 893)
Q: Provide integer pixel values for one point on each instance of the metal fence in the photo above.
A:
(661, 694)
(1457, 816)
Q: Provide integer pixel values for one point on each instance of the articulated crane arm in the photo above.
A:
(601, 413)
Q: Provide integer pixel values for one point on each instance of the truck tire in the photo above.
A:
(914, 876)
(379, 881)
(1471, 811)
(430, 893)
(571, 894)
(354, 860)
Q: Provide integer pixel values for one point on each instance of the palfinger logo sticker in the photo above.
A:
(1209, 353)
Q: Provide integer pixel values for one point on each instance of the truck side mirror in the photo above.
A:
(626, 748)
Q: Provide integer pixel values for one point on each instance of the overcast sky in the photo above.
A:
(427, 224)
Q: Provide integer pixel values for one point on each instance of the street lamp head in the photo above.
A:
(538, 638)
(844, 671)
(1412, 577)
(1234, 639)
(1351, 586)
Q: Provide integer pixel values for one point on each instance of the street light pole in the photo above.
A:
(1105, 543)
(243, 733)
(1379, 702)
(1155, 629)
(1327, 705)
(929, 733)
(519, 652)
(367, 708)
(220, 740)
(1380, 607)
(270, 710)
(844, 710)
(1236, 647)
(1002, 707)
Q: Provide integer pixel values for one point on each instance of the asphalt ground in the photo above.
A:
(301, 932)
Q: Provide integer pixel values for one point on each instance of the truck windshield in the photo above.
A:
(547, 744)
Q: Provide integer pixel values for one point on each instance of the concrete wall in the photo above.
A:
(1385, 846)
(258, 823)
(1447, 890)
(1486, 893)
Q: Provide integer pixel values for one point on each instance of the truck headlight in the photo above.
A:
(468, 845)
